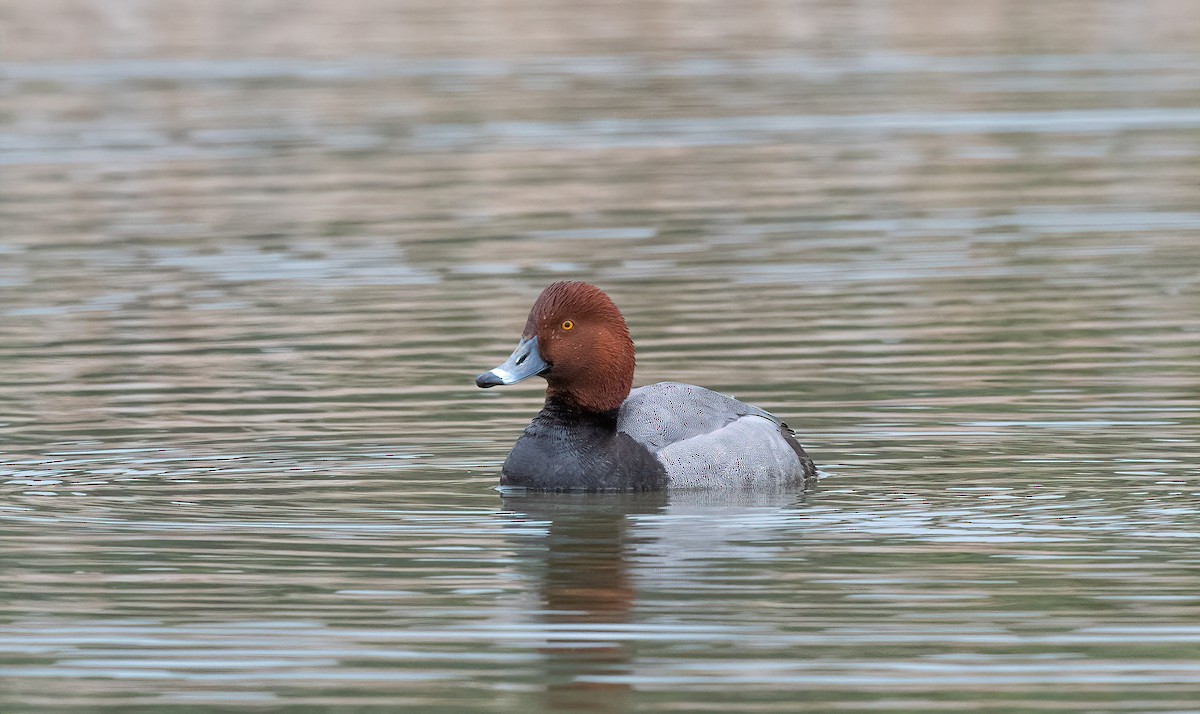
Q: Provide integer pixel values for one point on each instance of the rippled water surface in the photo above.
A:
(251, 259)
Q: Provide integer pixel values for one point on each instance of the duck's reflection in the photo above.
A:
(594, 555)
(587, 593)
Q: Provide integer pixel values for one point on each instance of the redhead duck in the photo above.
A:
(594, 434)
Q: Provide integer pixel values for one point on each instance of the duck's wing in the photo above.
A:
(669, 412)
(706, 439)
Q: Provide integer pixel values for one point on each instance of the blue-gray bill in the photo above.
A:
(523, 363)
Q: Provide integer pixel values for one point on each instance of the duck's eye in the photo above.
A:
(567, 324)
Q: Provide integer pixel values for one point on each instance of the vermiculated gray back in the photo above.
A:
(705, 439)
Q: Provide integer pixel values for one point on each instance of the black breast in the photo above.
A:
(567, 449)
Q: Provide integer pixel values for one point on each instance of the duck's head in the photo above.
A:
(576, 338)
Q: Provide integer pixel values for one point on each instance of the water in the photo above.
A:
(250, 262)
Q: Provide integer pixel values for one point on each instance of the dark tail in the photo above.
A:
(807, 467)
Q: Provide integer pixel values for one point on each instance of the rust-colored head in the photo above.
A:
(582, 339)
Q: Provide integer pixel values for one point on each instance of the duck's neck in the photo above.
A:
(596, 394)
(559, 408)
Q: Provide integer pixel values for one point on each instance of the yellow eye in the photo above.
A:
(567, 324)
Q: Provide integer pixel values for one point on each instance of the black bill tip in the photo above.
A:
(487, 379)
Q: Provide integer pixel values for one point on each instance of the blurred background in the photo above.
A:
(253, 253)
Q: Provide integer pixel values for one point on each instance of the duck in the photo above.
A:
(596, 433)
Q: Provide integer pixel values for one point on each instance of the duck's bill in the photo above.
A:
(523, 363)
